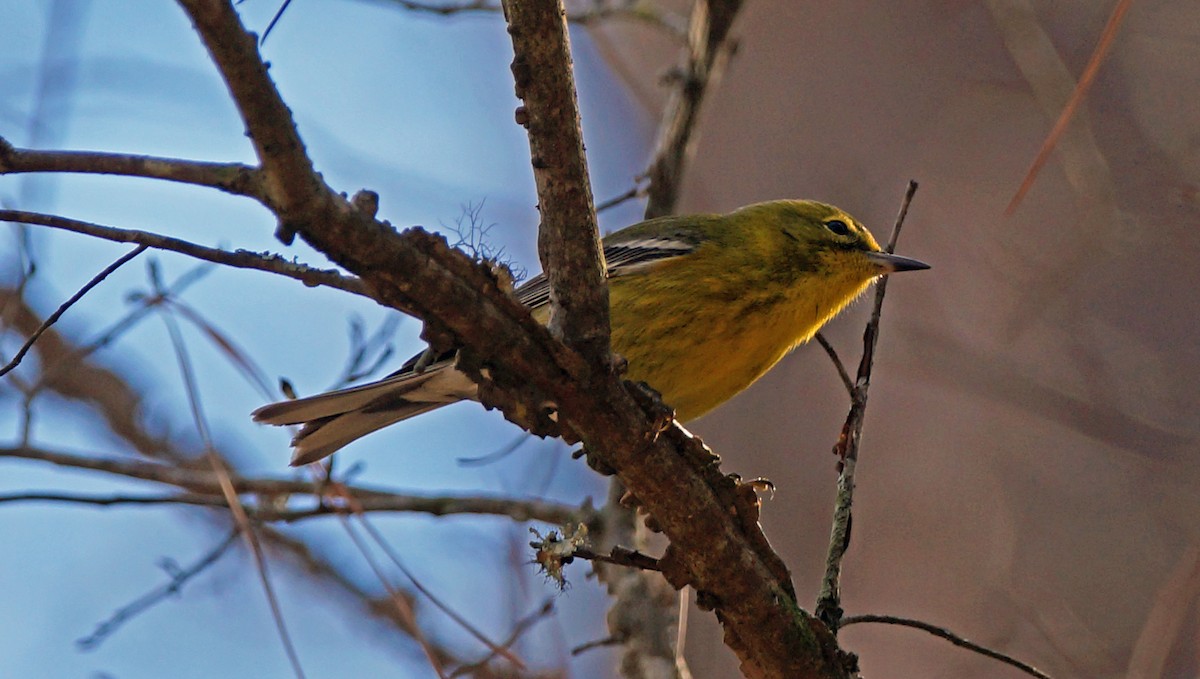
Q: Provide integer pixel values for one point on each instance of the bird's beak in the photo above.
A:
(889, 263)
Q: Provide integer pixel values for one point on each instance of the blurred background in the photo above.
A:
(1029, 476)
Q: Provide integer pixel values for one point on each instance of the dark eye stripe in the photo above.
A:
(838, 226)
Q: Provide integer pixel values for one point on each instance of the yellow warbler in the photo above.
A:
(701, 307)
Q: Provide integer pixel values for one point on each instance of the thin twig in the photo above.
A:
(205, 490)
(234, 178)
(240, 259)
(598, 643)
(948, 636)
(521, 626)
(113, 500)
(1077, 96)
(837, 362)
(828, 607)
(621, 557)
(179, 577)
(403, 605)
(53, 318)
(634, 191)
(435, 600)
(231, 497)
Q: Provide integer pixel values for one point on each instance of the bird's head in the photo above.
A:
(820, 238)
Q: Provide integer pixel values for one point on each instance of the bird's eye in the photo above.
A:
(838, 226)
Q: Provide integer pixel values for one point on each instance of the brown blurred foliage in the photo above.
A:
(1029, 476)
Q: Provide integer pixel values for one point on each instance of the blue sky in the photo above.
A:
(417, 108)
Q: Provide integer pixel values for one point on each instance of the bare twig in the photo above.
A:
(204, 489)
(227, 489)
(403, 605)
(84, 381)
(597, 643)
(114, 500)
(521, 626)
(1072, 105)
(620, 556)
(179, 577)
(709, 46)
(948, 636)
(235, 178)
(837, 362)
(53, 318)
(828, 607)
(634, 191)
(224, 344)
(111, 394)
(240, 259)
(434, 599)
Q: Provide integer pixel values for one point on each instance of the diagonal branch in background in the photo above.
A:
(221, 472)
(709, 45)
(1077, 95)
(517, 362)
(178, 578)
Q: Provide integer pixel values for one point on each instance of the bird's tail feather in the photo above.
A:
(334, 419)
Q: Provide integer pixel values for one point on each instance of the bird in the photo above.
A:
(701, 306)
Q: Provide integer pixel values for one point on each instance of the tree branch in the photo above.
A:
(240, 259)
(203, 488)
(568, 238)
(290, 181)
(708, 46)
(235, 178)
(828, 607)
(179, 578)
(62, 309)
(948, 636)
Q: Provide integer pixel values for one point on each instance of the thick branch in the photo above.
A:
(568, 239)
(290, 180)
